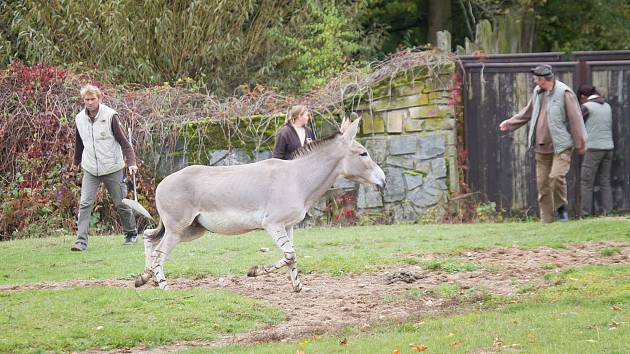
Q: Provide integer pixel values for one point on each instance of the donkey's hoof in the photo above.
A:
(297, 288)
(253, 271)
(163, 286)
(142, 279)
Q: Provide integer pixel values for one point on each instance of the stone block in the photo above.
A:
(368, 197)
(367, 125)
(395, 121)
(439, 124)
(438, 167)
(439, 101)
(436, 187)
(421, 198)
(372, 123)
(451, 137)
(379, 124)
(431, 192)
(431, 146)
(402, 161)
(430, 111)
(435, 94)
(414, 125)
(424, 167)
(404, 144)
(395, 185)
(413, 181)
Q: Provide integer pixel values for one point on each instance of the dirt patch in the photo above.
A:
(327, 303)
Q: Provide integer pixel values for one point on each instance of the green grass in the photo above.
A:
(78, 319)
(610, 251)
(450, 265)
(588, 311)
(332, 250)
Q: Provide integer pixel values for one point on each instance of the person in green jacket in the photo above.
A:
(599, 149)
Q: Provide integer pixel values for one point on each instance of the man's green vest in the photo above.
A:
(102, 154)
(556, 116)
(599, 126)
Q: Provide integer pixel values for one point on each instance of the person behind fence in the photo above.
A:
(101, 151)
(556, 128)
(599, 149)
(294, 134)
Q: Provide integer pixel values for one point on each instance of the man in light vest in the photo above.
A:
(556, 128)
(101, 150)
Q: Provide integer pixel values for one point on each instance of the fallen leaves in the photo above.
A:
(418, 347)
(456, 343)
(498, 343)
(613, 325)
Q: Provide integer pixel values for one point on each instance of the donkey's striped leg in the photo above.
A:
(293, 273)
(149, 247)
(159, 256)
(279, 235)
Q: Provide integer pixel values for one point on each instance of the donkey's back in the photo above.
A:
(228, 199)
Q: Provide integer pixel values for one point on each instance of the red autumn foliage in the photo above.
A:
(38, 192)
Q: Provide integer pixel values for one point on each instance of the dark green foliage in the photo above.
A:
(223, 44)
(550, 25)
(583, 25)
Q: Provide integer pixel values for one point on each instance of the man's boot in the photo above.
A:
(131, 238)
(563, 215)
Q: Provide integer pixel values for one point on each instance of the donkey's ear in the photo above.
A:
(344, 124)
(352, 130)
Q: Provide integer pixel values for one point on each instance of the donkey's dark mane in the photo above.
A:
(314, 146)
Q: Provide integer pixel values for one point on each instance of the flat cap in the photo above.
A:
(542, 70)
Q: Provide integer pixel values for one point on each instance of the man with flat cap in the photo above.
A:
(556, 128)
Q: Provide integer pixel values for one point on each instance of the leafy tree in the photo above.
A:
(323, 47)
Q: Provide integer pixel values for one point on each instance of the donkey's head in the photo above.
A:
(357, 165)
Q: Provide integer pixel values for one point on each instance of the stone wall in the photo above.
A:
(409, 129)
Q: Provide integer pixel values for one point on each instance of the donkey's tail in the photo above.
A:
(155, 234)
(138, 208)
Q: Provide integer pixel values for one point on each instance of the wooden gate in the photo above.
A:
(500, 167)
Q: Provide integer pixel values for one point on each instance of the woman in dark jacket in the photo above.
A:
(294, 134)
